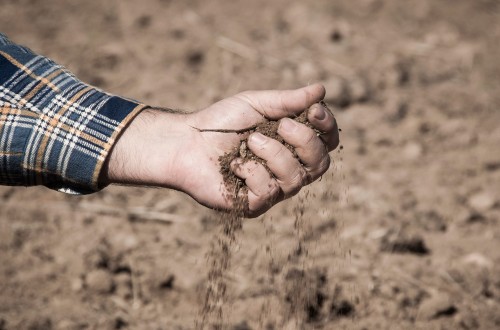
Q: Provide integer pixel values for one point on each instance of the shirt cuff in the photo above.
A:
(55, 130)
(68, 148)
(88, 146)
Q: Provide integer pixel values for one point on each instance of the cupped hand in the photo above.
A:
(184, 157)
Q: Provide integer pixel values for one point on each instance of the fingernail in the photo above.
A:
(319, 113)
(258, 138)
(288, 125)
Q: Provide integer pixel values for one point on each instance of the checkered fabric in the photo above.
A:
(54, 130)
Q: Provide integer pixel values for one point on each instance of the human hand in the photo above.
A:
(165, 149)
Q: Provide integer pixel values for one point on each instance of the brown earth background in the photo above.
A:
(401, 233)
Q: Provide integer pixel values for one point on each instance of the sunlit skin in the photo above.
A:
(166, 150)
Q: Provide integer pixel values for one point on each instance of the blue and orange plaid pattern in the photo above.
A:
(54, 130)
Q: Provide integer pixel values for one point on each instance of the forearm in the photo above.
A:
(147, 152)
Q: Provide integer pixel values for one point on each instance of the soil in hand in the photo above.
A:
(268, 128)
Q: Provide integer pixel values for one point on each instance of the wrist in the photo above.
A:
(148, 150)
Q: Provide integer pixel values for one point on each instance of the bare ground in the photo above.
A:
(402, 232)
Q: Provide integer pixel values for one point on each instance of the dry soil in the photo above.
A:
(401, 233)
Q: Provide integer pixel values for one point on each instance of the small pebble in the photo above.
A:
(477, 260)
(396, 108)
(99, 281)
(482, 201)
(123, 242)
(340, 32)
(412, 151)
(123, 285)
(359, 90)
(396, 71)
(76, 284)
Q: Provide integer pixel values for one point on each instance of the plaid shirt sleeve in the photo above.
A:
(54, 130)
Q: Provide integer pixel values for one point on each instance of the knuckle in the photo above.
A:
(268, 198)
(297, 180)
(274, 190)
(283, 101)
(324, 164)
(251, 167)
(245, 94)
(310, 138)
(307, 96)
(316, 171)
(247, 97)
(278, 150)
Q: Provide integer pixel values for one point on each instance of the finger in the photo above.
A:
(309, 147)
(258, 180)
(262, 189)
(278, 104)
(325, 122)
(256, 204)
(255, 208)
(289, 173)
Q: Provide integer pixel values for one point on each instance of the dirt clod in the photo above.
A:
(437, 306)
(42, 323)
(123, 285)
(400, 241)
(482, 201)
(243, 325)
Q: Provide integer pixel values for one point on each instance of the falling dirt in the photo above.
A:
(219, 258)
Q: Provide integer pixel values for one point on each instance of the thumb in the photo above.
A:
(276, 104)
